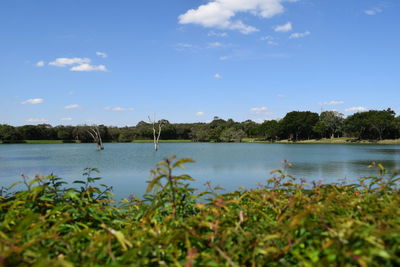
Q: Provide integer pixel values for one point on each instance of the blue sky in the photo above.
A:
(116, 62)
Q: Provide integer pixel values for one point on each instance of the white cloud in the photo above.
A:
(187, 47)
(66, 119)
(220, 13)
(215, 44)
(356, 109)
(333, 103)
(36, 120)
(118, 109)
(217, 34)
(77, 64)
(63, 61)
(200, 113)
(73, 106)
(184, 45)
(33, 101)
(88, 67)
(284, 28)
(217, 76)
(259, 110)
(102, 54)
(269, 39)
(299, 34)
(224, 57)
(40, 63)
(373, 11)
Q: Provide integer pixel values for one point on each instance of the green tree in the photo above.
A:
(381, 121)
(232, 135)
(9, 133)
(298, 125)
(373, 124)
(270, 129)
(396, 127)
(330, 124)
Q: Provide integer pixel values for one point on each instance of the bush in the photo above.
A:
(283, 223)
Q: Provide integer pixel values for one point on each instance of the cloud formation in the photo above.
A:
(77, 64)
(118, 109)
(333, 103)
(102, 54)
(36, 120)
(259, 110)
(217, 34)
(66, 119)
(221, 13)
(284, 28)
(64, 61)
(356, 109)
(373, 11)
(73, 106)
(88, 67)
(299, 34)
(215, 44)
(200, 113)
(217, 76)
(40, 63)
(33, 101)
(269, 39)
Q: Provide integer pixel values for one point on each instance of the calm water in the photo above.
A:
(126, 166)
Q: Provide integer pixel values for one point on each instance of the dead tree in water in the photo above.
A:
(156, 134)
(95, 133)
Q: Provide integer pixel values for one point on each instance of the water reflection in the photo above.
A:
(126, 166)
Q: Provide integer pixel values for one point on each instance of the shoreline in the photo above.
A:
(338, 141)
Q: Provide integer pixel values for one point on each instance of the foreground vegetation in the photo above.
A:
(282, 223)
(295, 126)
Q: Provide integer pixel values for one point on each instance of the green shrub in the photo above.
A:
(282, 223)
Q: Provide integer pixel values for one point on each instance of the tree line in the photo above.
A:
(295, 126)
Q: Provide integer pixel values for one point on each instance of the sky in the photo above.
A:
(113, 62)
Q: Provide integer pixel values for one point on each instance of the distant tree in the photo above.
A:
(330, 124)
(217, 122)
(238, 135)
(373, 124)
(356, 125)
(113, 133)
(31, 132)
(64, 134)
(200, 134)
(396, 127)
(321, 129)
(270, 129)
(297, 125)
(126, 135)
(251, 128)
(9, 133)
(232, 134)
(381, 121)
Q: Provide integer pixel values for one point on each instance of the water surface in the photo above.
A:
(126, 166)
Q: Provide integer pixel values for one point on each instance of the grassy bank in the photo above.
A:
(282, 223)
(43, 142)
(341, 140)
(162, 141)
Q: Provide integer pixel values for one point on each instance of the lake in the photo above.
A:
(126, 166)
